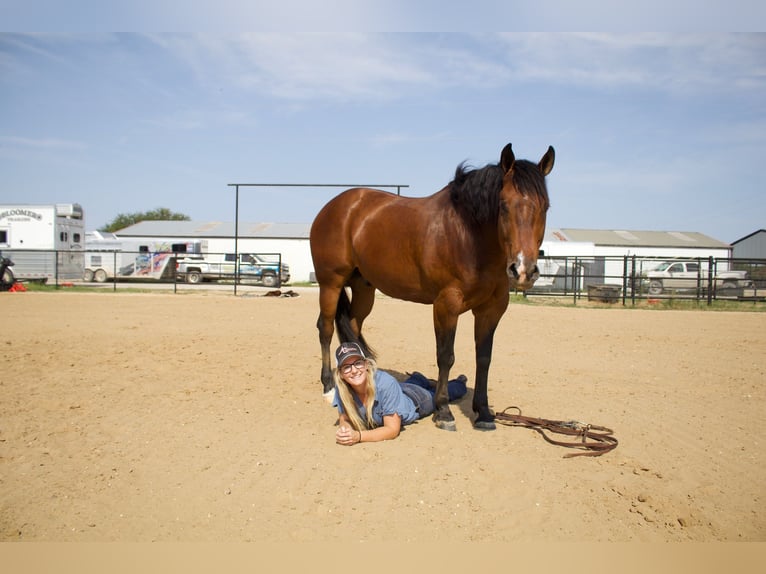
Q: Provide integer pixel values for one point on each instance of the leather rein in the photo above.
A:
(593, 440)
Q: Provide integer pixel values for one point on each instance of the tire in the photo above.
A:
(99, 276)
(655, 287)
(194, 277)
(88, 276)
(8, 278)
(269, 280)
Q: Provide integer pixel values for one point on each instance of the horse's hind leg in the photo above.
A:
(362, 301)
(328, 303)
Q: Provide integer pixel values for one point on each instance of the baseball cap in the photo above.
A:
(347, 350)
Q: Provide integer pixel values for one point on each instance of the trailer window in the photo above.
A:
(63, 235)
(3, 236)
(95, 260)
(143, 249)
(76, 238)
(178, 248)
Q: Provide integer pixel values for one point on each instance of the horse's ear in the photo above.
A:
(507, 158)
(546, 164)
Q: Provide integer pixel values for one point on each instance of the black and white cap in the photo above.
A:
(347, 350)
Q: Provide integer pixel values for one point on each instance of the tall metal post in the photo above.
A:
(236, 238)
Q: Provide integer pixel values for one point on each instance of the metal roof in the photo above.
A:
(627, 238)
(211, 229)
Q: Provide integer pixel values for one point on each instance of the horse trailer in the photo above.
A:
(108, 257)
(45, 242)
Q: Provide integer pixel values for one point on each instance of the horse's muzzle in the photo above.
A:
(521, 278)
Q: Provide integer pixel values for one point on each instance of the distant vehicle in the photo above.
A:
(45, 241)
(108, 257)
(250, 267)
(689, 275)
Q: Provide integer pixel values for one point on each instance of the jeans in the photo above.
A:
(418, 388)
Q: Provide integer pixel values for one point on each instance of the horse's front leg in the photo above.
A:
(445, 326)
(485, 420)
(485, 324)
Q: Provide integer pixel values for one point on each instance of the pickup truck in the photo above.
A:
(251, 267)
(688, 275)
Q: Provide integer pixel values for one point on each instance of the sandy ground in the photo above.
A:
(198, 417)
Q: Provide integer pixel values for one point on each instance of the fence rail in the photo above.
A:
(128, 267)
(628, 279)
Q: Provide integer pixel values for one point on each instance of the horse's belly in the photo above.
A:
(400, 284)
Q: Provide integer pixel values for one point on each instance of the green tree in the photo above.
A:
(124, 220)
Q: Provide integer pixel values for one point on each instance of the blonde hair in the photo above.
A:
(346, 397)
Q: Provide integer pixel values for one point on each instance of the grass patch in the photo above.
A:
(655, 304)
(36, 286)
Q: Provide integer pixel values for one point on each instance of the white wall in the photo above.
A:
(295, 252)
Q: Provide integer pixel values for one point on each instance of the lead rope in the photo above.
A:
(595, 440)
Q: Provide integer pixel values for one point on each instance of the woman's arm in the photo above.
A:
(347, 436)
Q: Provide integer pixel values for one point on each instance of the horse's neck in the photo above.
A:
(483, 241)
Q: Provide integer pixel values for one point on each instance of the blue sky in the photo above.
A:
(660, 131)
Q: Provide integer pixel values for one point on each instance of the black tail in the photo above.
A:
(343, 325)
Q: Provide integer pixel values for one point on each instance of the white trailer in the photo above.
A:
(108, 257)
(44, 241)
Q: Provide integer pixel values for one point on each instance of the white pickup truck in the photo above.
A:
(251, 267)
(688, 275)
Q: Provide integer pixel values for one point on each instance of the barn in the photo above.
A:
(751, 246)
(602, 251)
(604, 248)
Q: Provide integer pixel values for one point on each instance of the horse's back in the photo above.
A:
(333, 229)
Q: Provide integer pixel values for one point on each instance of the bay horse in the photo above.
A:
(462, 248)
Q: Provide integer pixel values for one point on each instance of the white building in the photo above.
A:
(608, 248)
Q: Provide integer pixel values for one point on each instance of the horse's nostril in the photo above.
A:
(536, 271)
(513, 270)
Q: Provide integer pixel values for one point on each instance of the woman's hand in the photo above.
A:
(347, 436)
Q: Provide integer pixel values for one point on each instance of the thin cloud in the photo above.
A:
(40, 143)
(666, 62)
(347, 67)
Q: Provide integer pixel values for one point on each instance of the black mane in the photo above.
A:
(475, 193)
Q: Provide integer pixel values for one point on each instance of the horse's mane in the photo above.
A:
(475, 193)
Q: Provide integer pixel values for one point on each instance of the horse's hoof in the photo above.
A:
(484, 425)
(446, 425)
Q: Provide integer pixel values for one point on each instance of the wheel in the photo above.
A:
(269, 280)
(88, 275)
(655, 287)
(99, 276)
(194, 277)
(8, 278)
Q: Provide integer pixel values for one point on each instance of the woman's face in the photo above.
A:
(354, 371)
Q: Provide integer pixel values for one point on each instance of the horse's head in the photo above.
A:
(523, 208)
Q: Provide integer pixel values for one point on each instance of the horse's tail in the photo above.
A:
(343, 324)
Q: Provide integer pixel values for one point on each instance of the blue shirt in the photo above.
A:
(389, 400)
